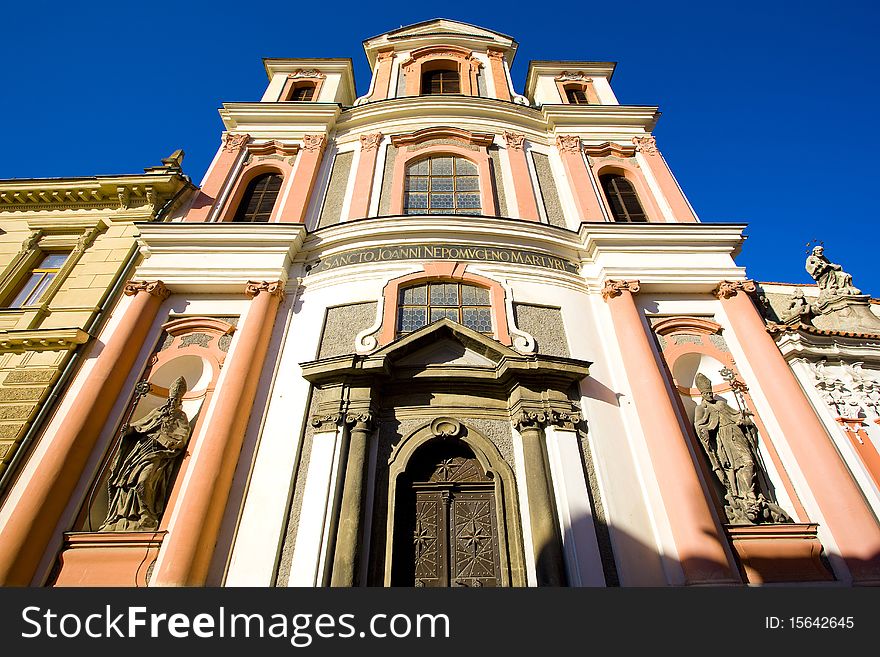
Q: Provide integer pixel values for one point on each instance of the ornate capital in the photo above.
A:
(360, 421)
(155, 288)
(727, 289)
(495, 54)
(235, 142)
(568, 143)
(534, 420)
(385, 56)
(327, 421)
(647, 145)
(273, 288)
(614, 288)
(314, 142)
(514, 140)
(371, 141)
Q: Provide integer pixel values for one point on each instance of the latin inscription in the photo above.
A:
(441, 252)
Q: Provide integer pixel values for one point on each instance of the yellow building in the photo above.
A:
(66, 245)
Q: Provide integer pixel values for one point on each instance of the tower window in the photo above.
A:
(259, 199)
(38, 281)
(442, 185)
(441, 82)
(420, 305)
(303, 92)
(622, 198)
(576, 96)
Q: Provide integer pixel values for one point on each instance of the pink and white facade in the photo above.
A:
(446, 332)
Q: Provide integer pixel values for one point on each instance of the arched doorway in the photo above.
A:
(446, 529)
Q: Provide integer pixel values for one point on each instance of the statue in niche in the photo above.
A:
(730, 440)
(140, 477)
(832, 280)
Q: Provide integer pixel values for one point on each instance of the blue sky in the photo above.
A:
(769, 109)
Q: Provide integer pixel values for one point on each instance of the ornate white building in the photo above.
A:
(442, 334)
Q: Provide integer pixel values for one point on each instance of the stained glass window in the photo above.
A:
(443, 184)
(423, 304)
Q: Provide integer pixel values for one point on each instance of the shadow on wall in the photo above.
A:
(630, 562)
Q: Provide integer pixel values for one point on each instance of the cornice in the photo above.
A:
(42, 339)
(575, 117)
(266, 120)
(544, 67)
(796, 342)
(139, 191)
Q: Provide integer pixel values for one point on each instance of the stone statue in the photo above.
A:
(730, 440)
(798, 309)
(832, 280)
(141, 474)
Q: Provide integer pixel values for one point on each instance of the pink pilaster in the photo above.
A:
(698, 536)
(499, 77)
(588, 206)
(363, 182)
(294, 210)
(189, 546)
(847, 515)
(31, 525)
(217, 177)
(854, 428)
(681, 210)
(382, 72)
(522, 181)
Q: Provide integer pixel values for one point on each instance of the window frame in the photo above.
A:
(454, 191)
(250, 187)
(619, 176)
(441, 70)
(428, 306)
(27, 275)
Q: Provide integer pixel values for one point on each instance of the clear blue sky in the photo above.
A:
(769, 109)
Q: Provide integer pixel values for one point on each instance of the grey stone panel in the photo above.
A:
(552, 204)
(442, 142)
(401, 84)
(342, 325)
(331, 212)
(385, 194)
(545, 325)
(286, 558)
(481, 86)
(500, 197)
(600, 521)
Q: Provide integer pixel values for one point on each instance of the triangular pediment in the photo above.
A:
(444, 26)
(445, 339)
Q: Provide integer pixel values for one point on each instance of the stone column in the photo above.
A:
(588, 206)
(849, 519)
(681, 209)
(363, 182)
(697, 534)
(346, 560)
(40, 501)
(384, 59)
(189, 546)
(297, 203)
(546, 542)
(216, 178)
(522, 181)
(499, 77)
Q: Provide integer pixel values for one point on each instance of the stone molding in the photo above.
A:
(273, 288)
(539, 419)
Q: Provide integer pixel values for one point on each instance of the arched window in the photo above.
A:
(259, 199)
(441, 82)
(576, 96)
(442, 185)
(622, 198)
(303, 92)
(425, 303)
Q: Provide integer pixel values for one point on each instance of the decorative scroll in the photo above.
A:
(314, 142)
(514, 140)
(155, 288)
(273, 288)
(647, 145)
(235, 142)
(727, 289)
(568, 143)
(614, 288)
(370, 142)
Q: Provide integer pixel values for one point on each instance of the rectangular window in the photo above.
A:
(35, 284)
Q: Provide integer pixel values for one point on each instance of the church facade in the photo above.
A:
(444, 333)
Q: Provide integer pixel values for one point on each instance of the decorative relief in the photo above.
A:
(495, 54)
(314, 142)
(565, 76)
(155, 288)
(370, 142)
(850, 391)
(514, 140)
(235, 142)
(30, 242)
(568, 143)
(198, 339)
(728, 289)
(647, 145)
(123, 194)
(445, 427)
(273, 288)
(385, 56)
(613, 288)
(311, 73)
